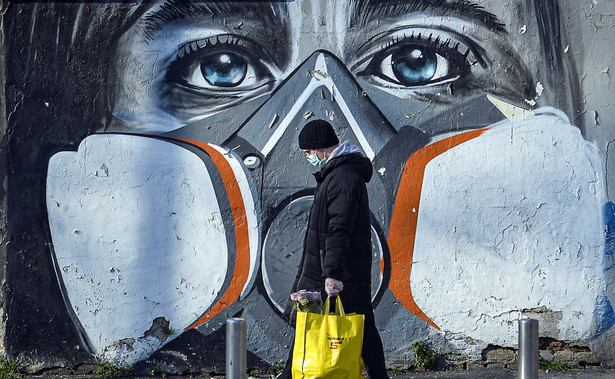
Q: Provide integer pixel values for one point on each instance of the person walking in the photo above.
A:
(337, 253)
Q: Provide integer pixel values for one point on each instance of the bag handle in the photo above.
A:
(339, 308)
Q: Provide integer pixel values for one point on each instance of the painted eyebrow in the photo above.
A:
(272, 14)
(368, 10)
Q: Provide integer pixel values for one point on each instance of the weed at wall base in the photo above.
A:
(423, 356)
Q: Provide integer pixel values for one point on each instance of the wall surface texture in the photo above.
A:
(152, 184)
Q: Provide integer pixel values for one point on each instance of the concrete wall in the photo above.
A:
(3, 187)
(154, 186)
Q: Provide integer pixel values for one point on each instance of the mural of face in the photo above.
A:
(487, 203)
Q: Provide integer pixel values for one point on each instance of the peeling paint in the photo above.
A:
(175, 195)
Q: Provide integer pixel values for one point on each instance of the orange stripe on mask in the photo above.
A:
(402, 230)
(238, 210)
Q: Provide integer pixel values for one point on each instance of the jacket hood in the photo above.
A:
(347, 154)
(344, 149)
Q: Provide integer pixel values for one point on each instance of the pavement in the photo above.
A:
(479, 373)
(504, 373)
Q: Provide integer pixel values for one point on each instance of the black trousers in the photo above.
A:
(372, 353)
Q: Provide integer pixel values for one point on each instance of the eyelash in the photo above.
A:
(436, 44)
(215, 41)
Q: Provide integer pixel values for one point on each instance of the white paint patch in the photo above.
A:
(381, 170)
(144, 240)
(508, 221)
(539, 89)
(523, 29)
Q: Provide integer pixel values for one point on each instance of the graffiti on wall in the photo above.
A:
(185, 201)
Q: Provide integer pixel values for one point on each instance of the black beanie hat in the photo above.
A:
(317, 134)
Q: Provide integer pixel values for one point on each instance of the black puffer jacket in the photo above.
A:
(338, 239)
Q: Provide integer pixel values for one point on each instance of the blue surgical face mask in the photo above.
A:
(313, 159)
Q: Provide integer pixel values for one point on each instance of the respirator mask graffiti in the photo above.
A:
(170, 220)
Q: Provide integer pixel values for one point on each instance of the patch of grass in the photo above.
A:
(278, 367)
(396, 371)
(9, 368)
(157, 371)
(109, 370)
(553, 366)
(168, 331)
(423, 356)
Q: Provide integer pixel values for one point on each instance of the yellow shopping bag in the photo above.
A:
(328, 345)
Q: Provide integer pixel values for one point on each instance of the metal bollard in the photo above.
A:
(528, 349)
(236, 349)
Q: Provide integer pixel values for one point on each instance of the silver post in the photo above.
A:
(236, 349)
(528, 349)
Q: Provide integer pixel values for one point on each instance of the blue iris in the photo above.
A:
(224, 69)
(414, 65)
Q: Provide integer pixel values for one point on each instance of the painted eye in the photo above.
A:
(220, 63)
(417, 62)
(225, 69)
(414, 65)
